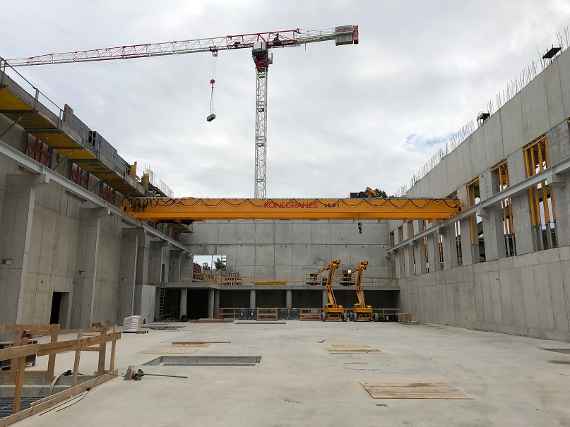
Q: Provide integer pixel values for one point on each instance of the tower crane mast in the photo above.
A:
(260, 44)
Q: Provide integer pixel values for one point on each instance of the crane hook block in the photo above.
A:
(210, 117)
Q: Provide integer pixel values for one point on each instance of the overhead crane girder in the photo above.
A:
(199, 209)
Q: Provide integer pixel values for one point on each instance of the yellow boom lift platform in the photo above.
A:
(332, 311)
(360, 311)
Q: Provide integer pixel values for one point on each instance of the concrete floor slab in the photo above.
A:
(510, 380)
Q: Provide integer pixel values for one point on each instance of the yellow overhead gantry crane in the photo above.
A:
(332, 310)
(162, 209)
(360, 311)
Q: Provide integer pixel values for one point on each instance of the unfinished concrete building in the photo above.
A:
(70, 254)
(502, 264)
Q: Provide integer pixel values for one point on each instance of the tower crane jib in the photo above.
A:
(260, 44)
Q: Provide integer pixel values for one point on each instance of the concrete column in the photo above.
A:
(325, 298)
(158, 272)
(433, 254)
(493, 233)
(289, 298)
(211, 303)
(186, 267)
(418, 269)
(142, 269)
(128, 272)
(524, 235)
(561, 194)
(15, 240)
(467, 247)
(86, 274)
(183, 302)
(157, 294)
(397, 257)
(449, 248)
(407, 258)
(175, 270)
(252, 299)
(217, 300)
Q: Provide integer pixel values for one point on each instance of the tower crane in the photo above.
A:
(360, 311)
(260, 44)
(332, 310)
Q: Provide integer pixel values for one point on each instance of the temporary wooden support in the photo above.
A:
(43, 404)
(22, 348)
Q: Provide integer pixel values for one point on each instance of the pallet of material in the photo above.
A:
(310, 314)
(267, 314)
(406, 318)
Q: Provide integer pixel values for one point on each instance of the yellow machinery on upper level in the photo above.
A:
(162, 209)
(360, 311)
(332, 310)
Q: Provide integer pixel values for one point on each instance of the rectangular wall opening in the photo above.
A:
(59, 305)
(476, 222)
(501, 183)
(198, 303)
(540, 196)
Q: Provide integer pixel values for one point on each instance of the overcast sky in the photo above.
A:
(340, 118)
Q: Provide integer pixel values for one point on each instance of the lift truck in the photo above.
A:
(361, 312)
(332, 311)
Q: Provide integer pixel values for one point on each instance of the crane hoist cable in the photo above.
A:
(212, 115)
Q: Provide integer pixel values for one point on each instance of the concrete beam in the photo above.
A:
(513, 191)
(47, 175)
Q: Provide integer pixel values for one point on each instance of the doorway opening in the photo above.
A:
(58, 308)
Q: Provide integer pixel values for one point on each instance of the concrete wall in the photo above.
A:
(52, 241)
(286, 250)
(527, 294)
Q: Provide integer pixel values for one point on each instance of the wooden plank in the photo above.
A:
(199, 342)
(76, 361)
(59, 347)
(19, 383)
(34, 329)
(102, 354)
(413, 390)
(55, 399)
(51, 360)
(113, 355)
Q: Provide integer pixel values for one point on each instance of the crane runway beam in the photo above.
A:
(199, 209)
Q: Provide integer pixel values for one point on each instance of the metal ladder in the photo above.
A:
(162, 303)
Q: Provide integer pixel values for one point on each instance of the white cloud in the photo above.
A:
(339, 117)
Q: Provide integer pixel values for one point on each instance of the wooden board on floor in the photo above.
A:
(194, 343)
(413, 390)
(351, 348)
